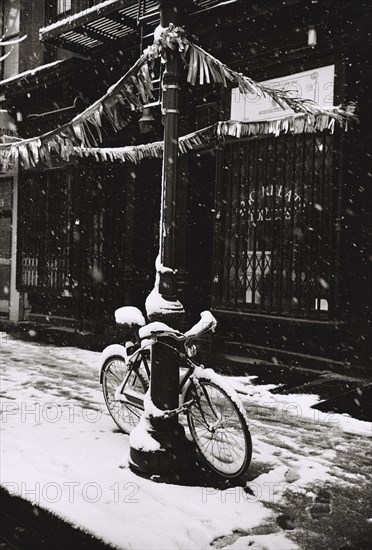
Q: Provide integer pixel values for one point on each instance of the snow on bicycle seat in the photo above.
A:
(130, 316)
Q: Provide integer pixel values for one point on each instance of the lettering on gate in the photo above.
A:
(270, 202)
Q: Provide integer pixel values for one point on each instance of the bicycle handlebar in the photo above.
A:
(207, 322)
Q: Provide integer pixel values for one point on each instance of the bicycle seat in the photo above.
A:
(129, 316)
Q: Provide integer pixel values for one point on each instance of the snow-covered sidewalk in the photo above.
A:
(60, 449)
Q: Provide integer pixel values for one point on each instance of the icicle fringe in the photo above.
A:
(294, 124)
(136, 153)
(84, 132)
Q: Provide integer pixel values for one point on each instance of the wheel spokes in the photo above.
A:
(218, 429)
(125, 414)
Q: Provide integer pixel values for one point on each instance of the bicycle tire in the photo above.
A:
(228, 449)
(125, 414)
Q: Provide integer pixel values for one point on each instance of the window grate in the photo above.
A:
(67, 229)
(59, 9)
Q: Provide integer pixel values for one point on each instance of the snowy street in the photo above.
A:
(308, 485)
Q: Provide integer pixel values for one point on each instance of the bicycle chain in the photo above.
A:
(172, 412)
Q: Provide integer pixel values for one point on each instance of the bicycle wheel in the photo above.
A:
(125, 413)
(219, 429)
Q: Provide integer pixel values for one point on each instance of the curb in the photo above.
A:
(25, 526)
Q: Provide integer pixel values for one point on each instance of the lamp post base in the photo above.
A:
(174, 458)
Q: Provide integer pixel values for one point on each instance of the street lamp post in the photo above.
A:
(174, 455)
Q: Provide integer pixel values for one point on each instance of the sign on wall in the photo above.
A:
(316, 84)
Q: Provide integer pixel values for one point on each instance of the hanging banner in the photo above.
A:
(315, 85)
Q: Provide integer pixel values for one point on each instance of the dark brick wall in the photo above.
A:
(31, 52)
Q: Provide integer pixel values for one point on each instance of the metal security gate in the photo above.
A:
(276, 230)
(45, 230)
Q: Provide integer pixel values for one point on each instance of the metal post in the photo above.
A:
(175, 453)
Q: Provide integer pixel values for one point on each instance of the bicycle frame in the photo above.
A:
(137, 400)
(138, 355)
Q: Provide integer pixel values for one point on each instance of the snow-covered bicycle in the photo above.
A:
(215, 415)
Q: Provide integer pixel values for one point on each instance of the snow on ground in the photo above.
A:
(61, 450)
(297, 406)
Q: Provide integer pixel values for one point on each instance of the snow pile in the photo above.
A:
(155, 303)
(141, 438)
